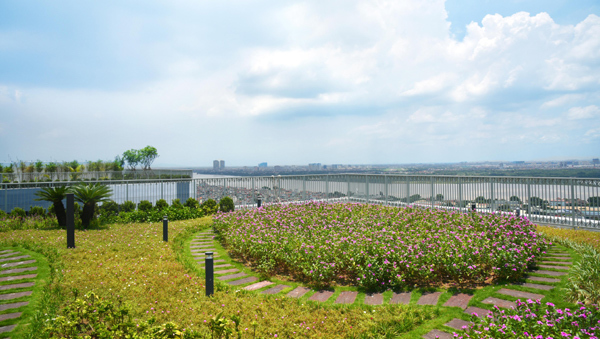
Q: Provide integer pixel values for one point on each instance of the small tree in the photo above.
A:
(51, 169)
(145, 206)
(439, 197)
(226, 205)
(132, 157)
(192, 203)
(128, 206)
(161, 204)
(594, 201)
(39, 166)
(89, 196)
(515, 198)
(55, 195)
(147, 156)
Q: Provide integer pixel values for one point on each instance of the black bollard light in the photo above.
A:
(518, 212)
(70, 220)
(473, 207)
(165, 228)
(259, 201)
(210, 274)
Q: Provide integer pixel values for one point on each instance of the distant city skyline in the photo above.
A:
(290, 82)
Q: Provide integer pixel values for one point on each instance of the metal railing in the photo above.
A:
(558, 201)
(65, 176)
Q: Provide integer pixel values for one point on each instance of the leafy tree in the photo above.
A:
(594, 201)
(537, 201)
(147, 156)
(439, 197)
(39, 166)
(89, 196)
(480, 200)
(55, 195)
(132, 157)
(515, 198)
(51, 169)
(226, 205)
(209, 207)
(8, 169)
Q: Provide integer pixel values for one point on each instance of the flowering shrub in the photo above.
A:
(381, 247)
(531, 319)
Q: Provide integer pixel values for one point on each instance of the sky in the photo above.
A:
(298, 82)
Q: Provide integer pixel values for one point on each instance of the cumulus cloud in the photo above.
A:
(588, 112)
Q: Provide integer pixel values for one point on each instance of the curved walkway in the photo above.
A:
(16, 283)
(555, 264)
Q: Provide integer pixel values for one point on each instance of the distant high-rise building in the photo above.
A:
(218, 164)
(314, 166)
(595, 161)
(262, 164)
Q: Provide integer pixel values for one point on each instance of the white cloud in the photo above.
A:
(588, 112)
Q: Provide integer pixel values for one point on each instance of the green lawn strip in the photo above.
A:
(43, 273)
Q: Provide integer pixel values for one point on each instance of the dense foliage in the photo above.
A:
(380, 247)
(533, 320)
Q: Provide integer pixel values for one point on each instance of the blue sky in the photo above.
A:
(289, 82)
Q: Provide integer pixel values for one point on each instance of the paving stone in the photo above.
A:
(479, 311)
(536, 286)
(242, 281)
(7, 316)
(6, 251)
(374, 299)
(257, 286)
(10, 254)
(8, 328)
(227, 271)
(346, 297)
(438, 334)
(459, 300)
(458, 324)
(11, 296)
(10, 287)
(18, 270)
(499, 302)
(321, 296)
(554, 267)
(18, 277)
(548, 280)
(202, 254)
(429, 298)
(558, 262)
(559, 258)
(520, 294)
(552, 273)
(18, 263)
(400, 298)
(232, 276)
(15, 258)
(275, 290)
(5, 307)
(202, 262)
(224, 265)
(202, 250)
(201, 242)
(298, 292)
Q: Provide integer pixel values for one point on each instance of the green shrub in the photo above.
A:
(226, 205)
(161, 204)
(128, 206)
(192, 203)
(209, 207)
(37, 210)
(2, 214)
(145, 206)
(18, 212)
(109, 207)
(176, 203)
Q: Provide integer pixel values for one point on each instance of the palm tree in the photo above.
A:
(89, 196)
(55, 195)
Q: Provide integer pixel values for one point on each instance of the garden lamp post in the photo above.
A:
(165, 228)
(70, 220)
(209, 269)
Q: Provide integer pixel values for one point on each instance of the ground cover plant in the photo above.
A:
(377, 247)
(130, 263)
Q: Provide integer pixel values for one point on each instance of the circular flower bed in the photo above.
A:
(379, 247)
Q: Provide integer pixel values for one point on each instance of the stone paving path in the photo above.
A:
(554, 264)
(550, 261)
(12, 286)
